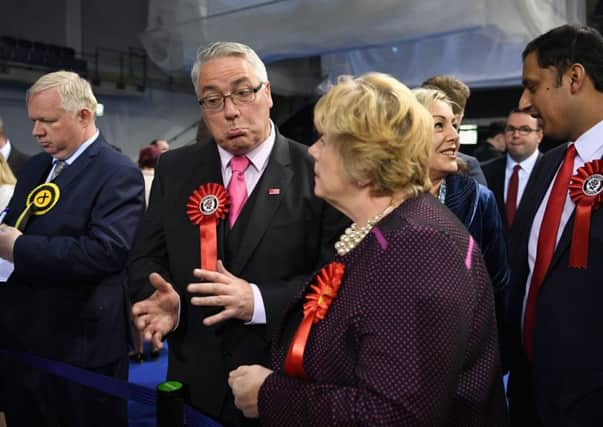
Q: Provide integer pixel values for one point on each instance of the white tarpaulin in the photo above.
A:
(479, 41)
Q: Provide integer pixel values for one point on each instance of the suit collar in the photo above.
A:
(80, 164)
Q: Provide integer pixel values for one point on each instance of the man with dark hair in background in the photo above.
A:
(459, 93)
(162, 144)
(16, 159)
(554, 318)
(494, 144)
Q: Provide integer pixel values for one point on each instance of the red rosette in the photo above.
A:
(205, 207)
(586, 191)
(318, 301)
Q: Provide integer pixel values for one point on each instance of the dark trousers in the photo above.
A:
(34, 398)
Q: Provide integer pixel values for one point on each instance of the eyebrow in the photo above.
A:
(235, 83)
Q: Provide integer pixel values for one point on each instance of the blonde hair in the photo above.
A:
(223, 50)
(6, 174)
(427, 97)
(74, 91)
(381, 132)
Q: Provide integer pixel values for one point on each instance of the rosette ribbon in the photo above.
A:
(205, 207)
(586, 191)
(317, 304)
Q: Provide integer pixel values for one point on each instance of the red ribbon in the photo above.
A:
(205, 207)
(586, 191)
(316, 307)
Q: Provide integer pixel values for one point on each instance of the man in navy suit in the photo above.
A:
(523, 135)
(555, 316)
(219, 320)
(69, 230)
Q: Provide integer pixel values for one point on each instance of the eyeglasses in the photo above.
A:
(523, 130)
(244, 95)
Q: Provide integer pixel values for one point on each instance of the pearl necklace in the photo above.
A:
(354, 235)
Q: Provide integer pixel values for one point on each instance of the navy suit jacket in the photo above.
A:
(564, 382)
(495, 174)
(67, 297)
(282, 234)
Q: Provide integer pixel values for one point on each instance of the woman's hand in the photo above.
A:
(245, 382)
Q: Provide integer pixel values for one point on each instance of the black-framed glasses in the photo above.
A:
(523, 130)
(243, 95)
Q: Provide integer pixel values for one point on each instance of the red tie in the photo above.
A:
(237, 189)
(546, 242)
(512, 194)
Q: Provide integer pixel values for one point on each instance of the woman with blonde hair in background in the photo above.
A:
(7, 183)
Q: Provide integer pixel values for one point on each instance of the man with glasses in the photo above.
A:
(508, 175)
(274, 236)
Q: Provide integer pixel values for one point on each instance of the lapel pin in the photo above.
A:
(274, 191)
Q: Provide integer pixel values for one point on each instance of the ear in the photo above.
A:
(268, 94)
(85, 116)
(577, 76)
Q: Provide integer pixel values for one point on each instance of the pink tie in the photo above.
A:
(237, 189)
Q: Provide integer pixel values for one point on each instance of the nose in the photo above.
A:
(37, 129)
(230, 109)
(453, 135)
(313, 150)
(525, 101)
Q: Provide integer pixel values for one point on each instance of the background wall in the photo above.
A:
(129, 121)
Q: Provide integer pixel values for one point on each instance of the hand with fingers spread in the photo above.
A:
(222, 289)
(245, 382)
(157, 315)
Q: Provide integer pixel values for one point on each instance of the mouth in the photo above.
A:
(235, 133)
(448, 152)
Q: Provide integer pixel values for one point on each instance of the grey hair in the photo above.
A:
(226, 49)
(75, 92)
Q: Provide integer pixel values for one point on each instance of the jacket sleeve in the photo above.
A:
(100, 250)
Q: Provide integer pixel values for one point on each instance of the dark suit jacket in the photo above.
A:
(278, 240)
(16, 160)
(565, 381)
(404, 343)
(495, 174)
(474, 169)
(67, 297)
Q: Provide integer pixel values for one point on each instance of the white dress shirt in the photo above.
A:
(589, 146)
(5, 150)
(72, 158)
(523, 174)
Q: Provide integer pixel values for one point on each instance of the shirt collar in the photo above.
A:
(87, 143)
(526, 164)
(5, 151)
(590, 144)
(258, 157)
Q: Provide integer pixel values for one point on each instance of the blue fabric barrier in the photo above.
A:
(111, 386)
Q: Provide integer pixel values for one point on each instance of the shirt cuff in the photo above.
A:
(259, 312)
(178, 318)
